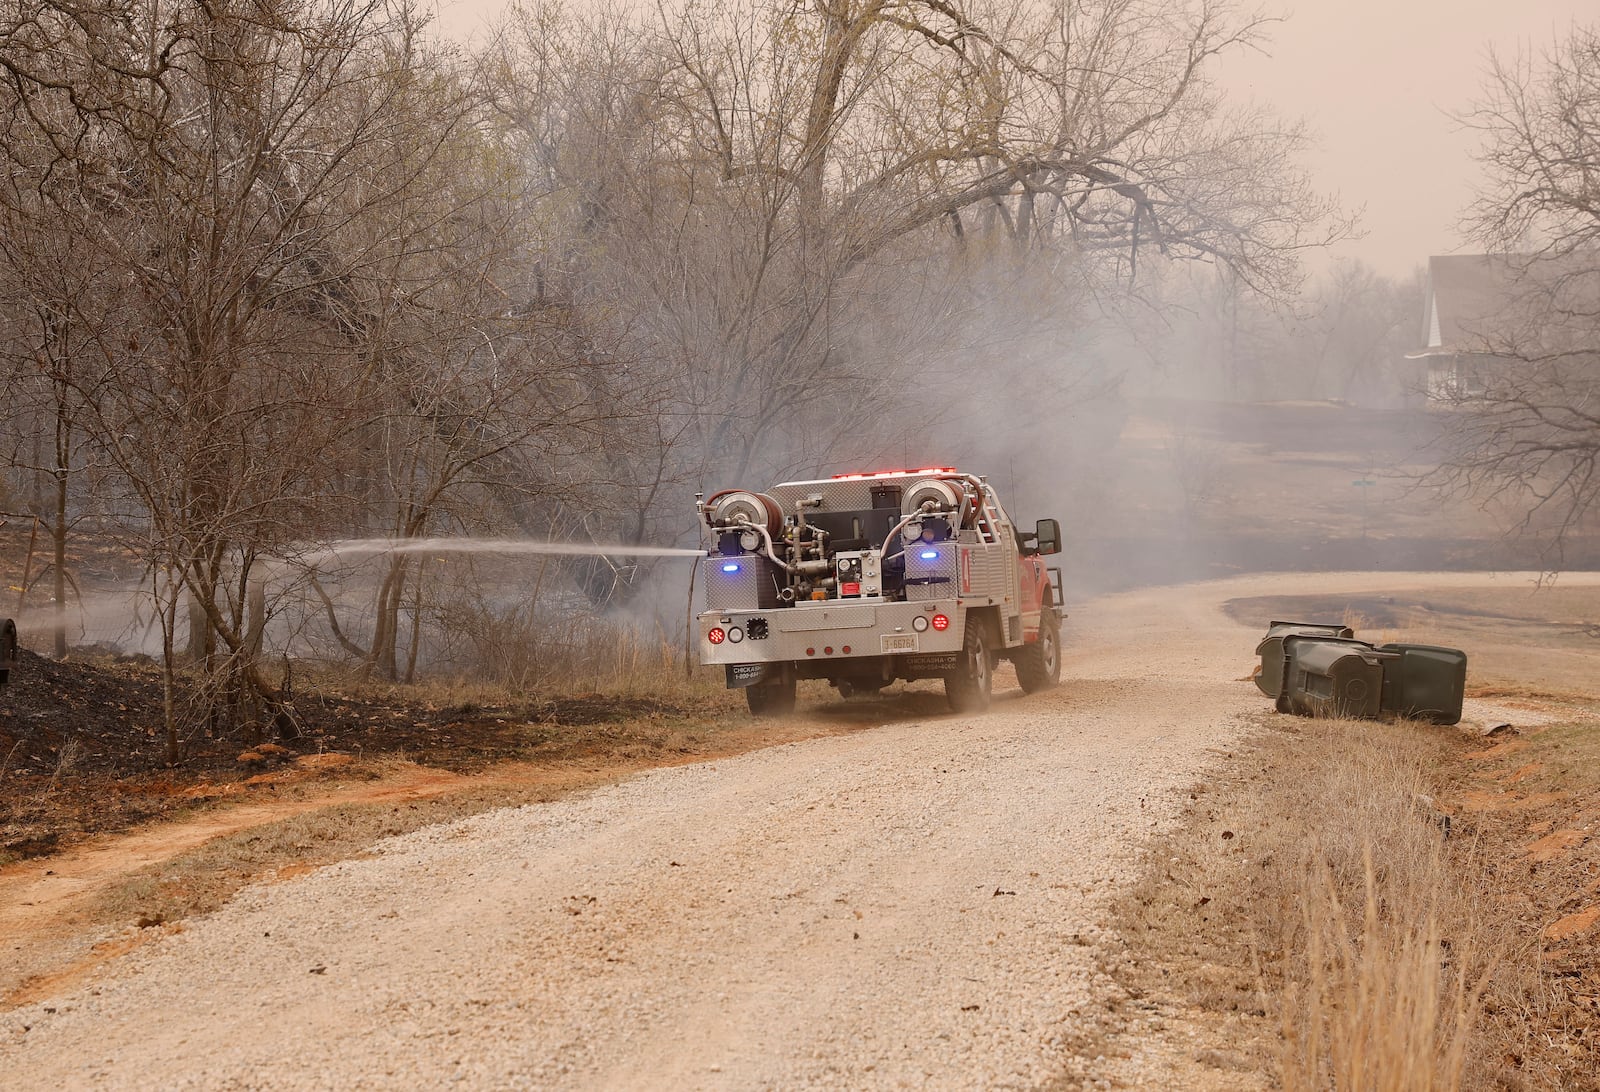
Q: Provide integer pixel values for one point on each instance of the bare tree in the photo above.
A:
(275, 194)
(791, 200)
(1352, 335)
(54, 290)
(1531, 440)
(49, 290)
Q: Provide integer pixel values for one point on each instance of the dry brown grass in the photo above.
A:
(535, 648)
(1317, 919)
(1383, 1003)
(1314, 914)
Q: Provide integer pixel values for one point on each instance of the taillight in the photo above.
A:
(716, 636)
(941, 623)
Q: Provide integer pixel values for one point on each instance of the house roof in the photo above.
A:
(1465, 297)
(1503, 303)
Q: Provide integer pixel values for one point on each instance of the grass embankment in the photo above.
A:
(1382, 906)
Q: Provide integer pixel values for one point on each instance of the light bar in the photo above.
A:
(894, 473)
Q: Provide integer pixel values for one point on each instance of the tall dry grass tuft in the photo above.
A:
(531, 648)
(1385, 1004)
(1355, 620)
(1385, 959)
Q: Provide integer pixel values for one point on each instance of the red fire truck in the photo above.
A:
(862, 579)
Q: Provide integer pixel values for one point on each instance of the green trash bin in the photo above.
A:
(1426, 682)
(1274, 656)
(1333, 677)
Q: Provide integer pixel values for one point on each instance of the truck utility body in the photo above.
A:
(862, 579)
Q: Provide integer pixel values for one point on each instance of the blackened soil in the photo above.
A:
(83, 749)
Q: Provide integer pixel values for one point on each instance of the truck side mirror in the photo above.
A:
(1047, 537)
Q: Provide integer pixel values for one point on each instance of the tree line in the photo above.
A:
(275, 273)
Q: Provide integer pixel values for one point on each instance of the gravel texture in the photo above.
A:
(914, 905)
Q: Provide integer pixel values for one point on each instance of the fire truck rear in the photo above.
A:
(863, 579)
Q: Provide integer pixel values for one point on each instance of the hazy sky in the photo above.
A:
(1377, 79)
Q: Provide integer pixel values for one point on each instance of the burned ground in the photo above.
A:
(83, 751)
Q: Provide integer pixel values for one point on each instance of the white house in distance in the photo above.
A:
(1487, 316)
(1467, 299)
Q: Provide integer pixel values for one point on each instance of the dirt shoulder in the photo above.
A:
(216, 826)
(1319, 856)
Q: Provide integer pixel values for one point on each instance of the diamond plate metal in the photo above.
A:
(931, 577)
(754, 587)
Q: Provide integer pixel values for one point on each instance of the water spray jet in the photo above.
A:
(373, 546)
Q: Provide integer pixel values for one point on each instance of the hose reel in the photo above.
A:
(738, 506)
(946, 494)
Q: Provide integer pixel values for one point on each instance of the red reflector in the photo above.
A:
(850, 588)
(940, 622)
(845, 650)
(716, 636)
(811, 652)
(827, 650)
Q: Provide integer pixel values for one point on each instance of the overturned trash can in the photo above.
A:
(1328, 677)
(1275, 655)
(1426, 682)
(1320, 669)
(8, 649)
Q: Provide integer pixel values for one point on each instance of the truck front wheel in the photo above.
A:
(968, 687)
(774, 698)
(1039, 664)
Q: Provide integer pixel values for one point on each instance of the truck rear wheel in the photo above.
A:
(968, 687)
(1039, 664)
(774, 698)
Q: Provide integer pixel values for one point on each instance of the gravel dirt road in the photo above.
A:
(914, 905)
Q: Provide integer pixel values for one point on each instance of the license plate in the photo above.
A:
(900, 642)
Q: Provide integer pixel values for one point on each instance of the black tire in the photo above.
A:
(1039, 664)
(969, 686)
(774, 698)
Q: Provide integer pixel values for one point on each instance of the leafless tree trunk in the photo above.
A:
(1530, 443)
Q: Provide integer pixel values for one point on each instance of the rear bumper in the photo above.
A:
(831, 630)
